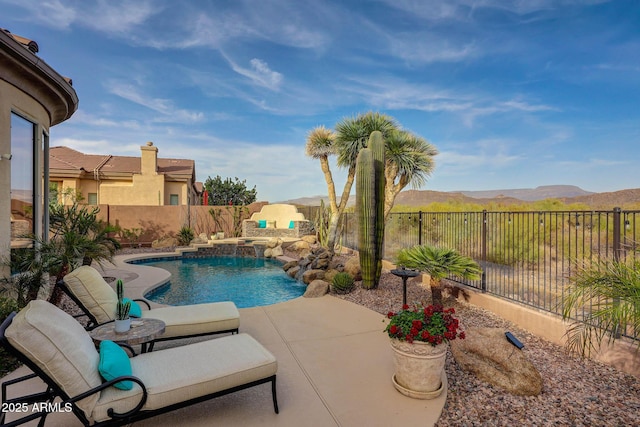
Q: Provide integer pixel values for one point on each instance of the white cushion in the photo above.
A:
(182, 373)
(280, 213)
(94, 293)
(184, 320)
(58, 344)
(100, 299)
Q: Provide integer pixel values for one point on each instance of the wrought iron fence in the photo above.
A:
(525, 256)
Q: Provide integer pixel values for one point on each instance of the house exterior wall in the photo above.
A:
(14, 100)
(147, 188)
(30, 88)
(178, 188)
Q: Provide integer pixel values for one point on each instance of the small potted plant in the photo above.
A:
(122, 321)
(419, 339)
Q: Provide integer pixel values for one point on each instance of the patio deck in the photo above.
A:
(334, 369)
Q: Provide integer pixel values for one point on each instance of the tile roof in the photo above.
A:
(65, 158)
(28, 43)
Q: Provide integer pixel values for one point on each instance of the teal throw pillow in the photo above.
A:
(114, 363)
(135, 311)
(262, 223)
(291, 224)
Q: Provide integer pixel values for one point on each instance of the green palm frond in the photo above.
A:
(412, 156)
(604, 298)
(352, 134)
(320, 142)
(439, 262)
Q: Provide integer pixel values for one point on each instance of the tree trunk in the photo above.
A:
(335, 218)
(436, 291)
(56, 292)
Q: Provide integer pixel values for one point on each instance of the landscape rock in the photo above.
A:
(272, 243)
(164, 242)
(492, 358)
(311, 275)
(293, 271)
(289, 265)
(310, 239)
(320, 263)
(267, 252)
(330, 274)
(202, 238)
(352, 266)
(316, 288)
(299, 245)
(276, 252)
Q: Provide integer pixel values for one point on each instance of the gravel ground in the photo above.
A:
(576, 392)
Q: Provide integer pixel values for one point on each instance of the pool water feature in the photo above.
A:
(247, 281)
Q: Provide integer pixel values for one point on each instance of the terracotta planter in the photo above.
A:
(419, 368)
(122, 326)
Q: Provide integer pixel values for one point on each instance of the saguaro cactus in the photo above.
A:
(376, 144)
(370, 208)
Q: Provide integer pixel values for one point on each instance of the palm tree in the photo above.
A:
(409, 158)
(607, 294)
(409, 161)
(352, 135)
(439, 263)
(320, 145)
(76, 238)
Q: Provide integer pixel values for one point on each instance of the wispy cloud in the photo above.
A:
(119, 17)
(53, 13)
(164, 106)
(258, 73)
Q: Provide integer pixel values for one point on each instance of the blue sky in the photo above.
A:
(514, 94)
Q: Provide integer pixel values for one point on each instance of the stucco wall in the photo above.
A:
(162, 221)
(178, 188)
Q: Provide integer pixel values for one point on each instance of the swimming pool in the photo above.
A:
(248, 282)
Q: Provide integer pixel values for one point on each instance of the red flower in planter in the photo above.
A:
(432, 324)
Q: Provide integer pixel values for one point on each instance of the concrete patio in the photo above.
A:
(334, 369)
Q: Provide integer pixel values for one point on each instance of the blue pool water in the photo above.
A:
(248, 282)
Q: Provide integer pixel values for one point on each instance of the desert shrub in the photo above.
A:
(342, 283)
(185, 236)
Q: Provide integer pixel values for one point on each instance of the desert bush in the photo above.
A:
(185, 236)
(342, 283)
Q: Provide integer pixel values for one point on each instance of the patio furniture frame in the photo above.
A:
(54, 391)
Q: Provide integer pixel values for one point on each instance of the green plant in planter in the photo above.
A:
(122, 307)
(342, 283)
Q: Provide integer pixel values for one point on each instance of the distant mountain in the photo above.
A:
(566, 193)
(531, 194)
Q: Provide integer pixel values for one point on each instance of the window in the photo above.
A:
(173, 200)
(92, 199)
(22, 178)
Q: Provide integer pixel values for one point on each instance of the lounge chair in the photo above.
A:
(60, 352)
(98, 300)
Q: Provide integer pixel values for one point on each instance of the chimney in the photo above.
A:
(149, 159)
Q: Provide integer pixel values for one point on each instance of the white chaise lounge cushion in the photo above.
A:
(181, 373)
(58, 344)
(100, 299)
(185, 320)
(96, 295)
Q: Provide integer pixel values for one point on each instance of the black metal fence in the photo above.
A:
(526, 256)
